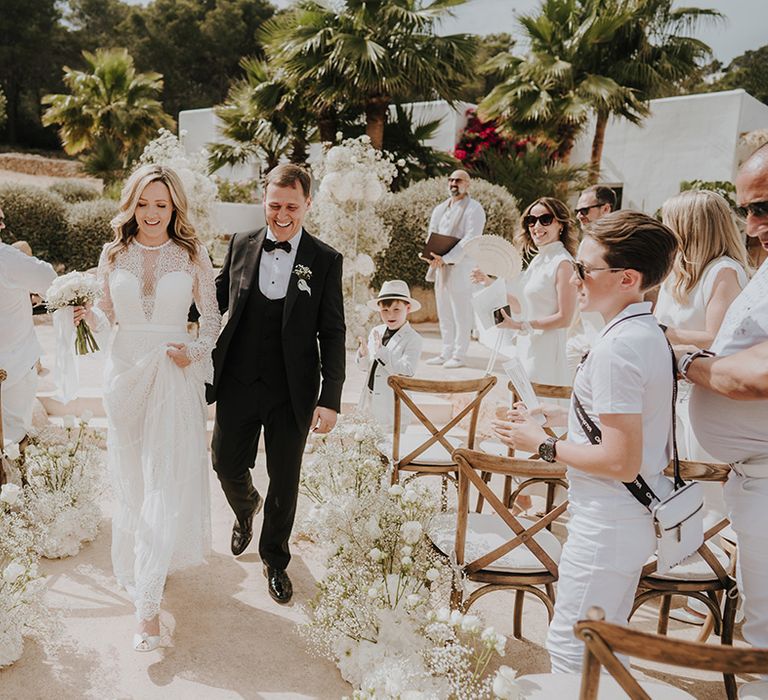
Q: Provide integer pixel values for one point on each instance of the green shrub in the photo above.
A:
(244, 192)
(37, 216)
(407, 213)
(73, 191)
(88, 230)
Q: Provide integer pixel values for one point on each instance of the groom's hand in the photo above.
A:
(323, 420)
(178, 353)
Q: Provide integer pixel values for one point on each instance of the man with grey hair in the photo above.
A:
(736, 431)
(464, 218)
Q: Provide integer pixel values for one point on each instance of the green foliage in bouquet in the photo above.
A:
(73, 191)
(407, 214)
(88, 229)
(37, 216)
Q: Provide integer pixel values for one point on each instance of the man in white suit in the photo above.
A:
(464, 218)
(393, 347)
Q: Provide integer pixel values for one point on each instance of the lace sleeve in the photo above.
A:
(103, 310)
(205, 299)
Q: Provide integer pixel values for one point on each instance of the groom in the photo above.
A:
(282, 288)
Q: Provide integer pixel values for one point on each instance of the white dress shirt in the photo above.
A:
(20, 276)
(275, 267)
(464, 219)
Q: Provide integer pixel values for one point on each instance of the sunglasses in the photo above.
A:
(583, 211)
(545, 220)
(582, 270)
(756, 209)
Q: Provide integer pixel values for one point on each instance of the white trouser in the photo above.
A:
(18, 401)
(747, 498)
(453, 296)
(600, 565)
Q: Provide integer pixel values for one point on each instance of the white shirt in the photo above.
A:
(736, 430)
(20, 276)
(629, 370)
(275, 268)
(464, 219)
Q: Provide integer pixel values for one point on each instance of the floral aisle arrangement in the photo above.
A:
(202, 190)
(22, 613)
(381, 609)
(353, 177)
(60, 474)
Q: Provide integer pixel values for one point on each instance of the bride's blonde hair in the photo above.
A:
(180, 230)
(707, 229)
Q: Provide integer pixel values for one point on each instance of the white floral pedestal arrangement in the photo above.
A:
(22, 613)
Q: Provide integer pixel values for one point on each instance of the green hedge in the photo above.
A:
(37, 216)
(88, 230)
(73, 191)
(407, 214)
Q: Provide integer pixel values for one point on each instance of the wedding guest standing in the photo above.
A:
(546, 298)
(623, 391)
(733, 430)
(462, 217)
(393, 347)
(282, 288)
(155, 389)
(20, 276)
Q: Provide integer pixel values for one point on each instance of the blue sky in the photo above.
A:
(744, 28)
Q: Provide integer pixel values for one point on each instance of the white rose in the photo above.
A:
(456, 617)
(505, 685)
(401, 162)
(443, 615)
(406, 561)
(411, 531)
(364, 265)
(432, 574)
(68, 421)
(413, 599)
(471, 624)
(396, 490)
(410, 496)
(373, 592)
(373, 189)
(375, 554)
(406, 550)
(13, 572)
(12, 451)
(372, 528)
(10, 494)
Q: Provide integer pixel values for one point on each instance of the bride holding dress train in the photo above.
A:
(154, 391)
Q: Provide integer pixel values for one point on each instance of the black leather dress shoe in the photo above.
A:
(278, 584)
(242, 531)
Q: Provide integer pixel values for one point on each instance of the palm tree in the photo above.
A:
(111, 113)
(266, 116)
(368, 52)
(607, 57)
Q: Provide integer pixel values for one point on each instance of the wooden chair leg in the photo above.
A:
(486, 477)
(729, 622)
(517, 628)
(550, 589)
(663, 624)
(507, 499)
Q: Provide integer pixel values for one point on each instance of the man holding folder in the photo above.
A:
(460, 218)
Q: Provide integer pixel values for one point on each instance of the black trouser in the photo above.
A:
(241, 412)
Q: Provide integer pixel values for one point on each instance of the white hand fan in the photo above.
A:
(495, 256)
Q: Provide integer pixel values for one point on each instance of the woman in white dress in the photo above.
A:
(709, 272)
(155, 389)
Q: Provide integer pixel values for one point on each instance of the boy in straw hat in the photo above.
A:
(393, 348)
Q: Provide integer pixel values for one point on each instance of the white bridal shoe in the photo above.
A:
(145, 642)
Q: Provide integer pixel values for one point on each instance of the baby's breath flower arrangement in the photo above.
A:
(22, 613)
(60, 473)
(380, 611)
(353, 177)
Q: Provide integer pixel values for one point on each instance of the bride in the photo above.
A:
(154, 389)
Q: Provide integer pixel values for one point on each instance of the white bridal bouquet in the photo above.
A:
(75, 289)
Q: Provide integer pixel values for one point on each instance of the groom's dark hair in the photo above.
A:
(287, 175)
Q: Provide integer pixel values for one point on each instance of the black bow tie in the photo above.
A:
(270, 245)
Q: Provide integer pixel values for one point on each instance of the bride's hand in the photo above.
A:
(178, 353)
(83, 313)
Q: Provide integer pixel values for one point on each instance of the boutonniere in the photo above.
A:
(304, 274)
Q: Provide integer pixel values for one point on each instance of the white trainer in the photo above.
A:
(453, 363)
(439, 360)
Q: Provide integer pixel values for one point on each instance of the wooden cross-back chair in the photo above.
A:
(707, 576)
(505, 551)
(603, 641)
(421, 455)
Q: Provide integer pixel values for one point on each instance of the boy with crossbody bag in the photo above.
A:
(625, 390)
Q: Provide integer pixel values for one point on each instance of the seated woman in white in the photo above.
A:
(393, 347)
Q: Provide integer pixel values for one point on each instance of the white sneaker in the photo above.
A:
(453, 363)
(439, 360)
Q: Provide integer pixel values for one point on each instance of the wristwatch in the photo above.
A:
(547, 450)
(685, 362)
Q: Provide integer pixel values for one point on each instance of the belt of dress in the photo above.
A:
(151, 328)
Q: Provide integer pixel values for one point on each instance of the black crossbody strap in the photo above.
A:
(638, 488)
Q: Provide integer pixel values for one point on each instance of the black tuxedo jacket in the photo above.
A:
(314, 333)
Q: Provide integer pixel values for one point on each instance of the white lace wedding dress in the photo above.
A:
(156, 411)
